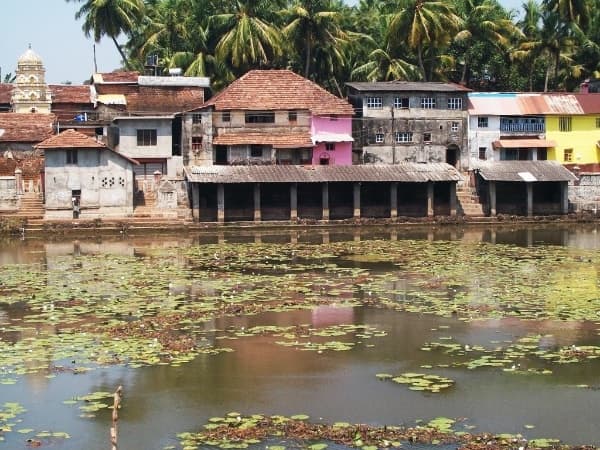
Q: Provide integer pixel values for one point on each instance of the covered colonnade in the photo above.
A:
(290, 193)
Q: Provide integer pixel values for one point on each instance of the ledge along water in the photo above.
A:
(496, 328)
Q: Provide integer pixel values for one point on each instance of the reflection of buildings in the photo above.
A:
(324, 316)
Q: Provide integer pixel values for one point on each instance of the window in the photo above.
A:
(427, 137)
(256, 151)
(454, 127)
(455, 103)
(482, 152)
(379, 138)
(404, 136)
(196, 143)
(374, 102)
(260, 117)
(329, 146)
(564, 123)
(482, 122)
(427, 102)
(146, 138)
(226, 116)
(401, 102)
(196, 118)
(597, 122)
(71, 156)
(293, 116)
(568, 155)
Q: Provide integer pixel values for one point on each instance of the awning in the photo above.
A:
(276, 140)
(331, 137)
(111, 99)
(524, 143)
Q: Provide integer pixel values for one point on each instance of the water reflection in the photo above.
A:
(263, 376)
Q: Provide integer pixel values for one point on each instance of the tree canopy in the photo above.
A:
(546, 45)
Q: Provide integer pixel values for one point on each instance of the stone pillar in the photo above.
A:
(196, 201)
(294, 201)
(492, 198)
(429, 198)
(564, 197)
(257, 216)
(157, 175)
(453, 198)
(356, 199)
(19, 181)
(529, 199)
(325, 201)
(220, 203)
(394, 200)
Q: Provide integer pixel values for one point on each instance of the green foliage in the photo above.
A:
(551, 44)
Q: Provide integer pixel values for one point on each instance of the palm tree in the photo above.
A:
(422, 25)
(249, 40)
(110, 18)
(574, 11)
(381, 66)
(553, 43)
(311, 25)
(484, 22)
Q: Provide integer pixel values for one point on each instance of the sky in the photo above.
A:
(54, 34)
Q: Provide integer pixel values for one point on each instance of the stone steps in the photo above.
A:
(468, 202)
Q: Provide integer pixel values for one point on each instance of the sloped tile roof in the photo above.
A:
(6, 92)
(65, 93)
(164, 99)
(522, 171)
(277, 140)
(70, 139)
(278, 90)
(28, 127)
(405, 172)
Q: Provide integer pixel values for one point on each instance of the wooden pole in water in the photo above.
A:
(115, 417)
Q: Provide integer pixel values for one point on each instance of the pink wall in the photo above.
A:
(342, 155)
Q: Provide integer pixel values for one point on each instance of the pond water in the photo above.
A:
(497, 329)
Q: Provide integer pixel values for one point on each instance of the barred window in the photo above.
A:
(482, 122)
(564, 123)
(455, 103)
(196, 118)
(72, 157)
(146, 138)
(379, 138)
(427, 102)
(374, 102)
(401, 102)
(568, 155)
(404, 136)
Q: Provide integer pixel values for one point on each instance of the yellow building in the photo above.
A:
(573, 124)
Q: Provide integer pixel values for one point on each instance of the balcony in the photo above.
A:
(523, 126)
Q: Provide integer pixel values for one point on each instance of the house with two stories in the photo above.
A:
(272, 117)
(402, 121)
(563, 127)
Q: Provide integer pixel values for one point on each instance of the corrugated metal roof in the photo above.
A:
(563, 104)
(515, 170)
(405, 172)
(421, 86)
(524, 143)
(494, 105)
(524, 104)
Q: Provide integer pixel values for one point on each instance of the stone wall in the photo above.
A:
(585, 195)
(8, 194)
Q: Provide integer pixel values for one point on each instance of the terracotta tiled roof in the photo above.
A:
(65, 93)
(277, 140)
(6, 92)
(164, 99)
(116, 77)
(70, 139)
(26, 127)
(404, 172)
(278, 90)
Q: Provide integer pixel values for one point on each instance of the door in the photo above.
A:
(452, 155)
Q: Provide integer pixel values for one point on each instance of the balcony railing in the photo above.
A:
(522, 127)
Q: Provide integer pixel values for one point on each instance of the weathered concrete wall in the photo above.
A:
(8, 194)
(104, 178)
(202, 156)
(447, 128)
(484, 137)
(128, 138)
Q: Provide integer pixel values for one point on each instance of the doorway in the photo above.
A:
(452, 155)
(76, 202)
